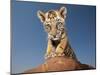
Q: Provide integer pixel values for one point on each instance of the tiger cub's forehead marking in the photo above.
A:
(51, 15)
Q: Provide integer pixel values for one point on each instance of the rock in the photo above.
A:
(59, 64)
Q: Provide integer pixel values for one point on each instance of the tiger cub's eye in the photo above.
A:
(57, 19)
(47, 27)
(59, 24)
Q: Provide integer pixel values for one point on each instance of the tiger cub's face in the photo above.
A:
(53, 22)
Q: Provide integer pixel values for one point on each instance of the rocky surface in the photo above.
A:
(59, 64)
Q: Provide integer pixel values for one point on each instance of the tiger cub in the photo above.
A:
(58, 44)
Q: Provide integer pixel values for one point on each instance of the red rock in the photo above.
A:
(59, 64)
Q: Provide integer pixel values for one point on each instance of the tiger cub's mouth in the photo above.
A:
(55, 42)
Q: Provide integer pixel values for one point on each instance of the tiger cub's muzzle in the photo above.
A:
(55, 37)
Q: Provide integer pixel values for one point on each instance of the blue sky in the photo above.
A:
(29, 39)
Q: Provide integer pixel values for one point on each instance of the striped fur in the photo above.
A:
(58, 43)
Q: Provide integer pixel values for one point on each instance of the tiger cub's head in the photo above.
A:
(53, 22)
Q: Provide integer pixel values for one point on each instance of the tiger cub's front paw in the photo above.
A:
(59, 52)
(47, 56)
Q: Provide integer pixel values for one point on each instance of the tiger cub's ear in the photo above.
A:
(63, 12)
(41, 15)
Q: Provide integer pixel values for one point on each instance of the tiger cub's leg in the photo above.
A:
(61, 47)
(49, 49)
